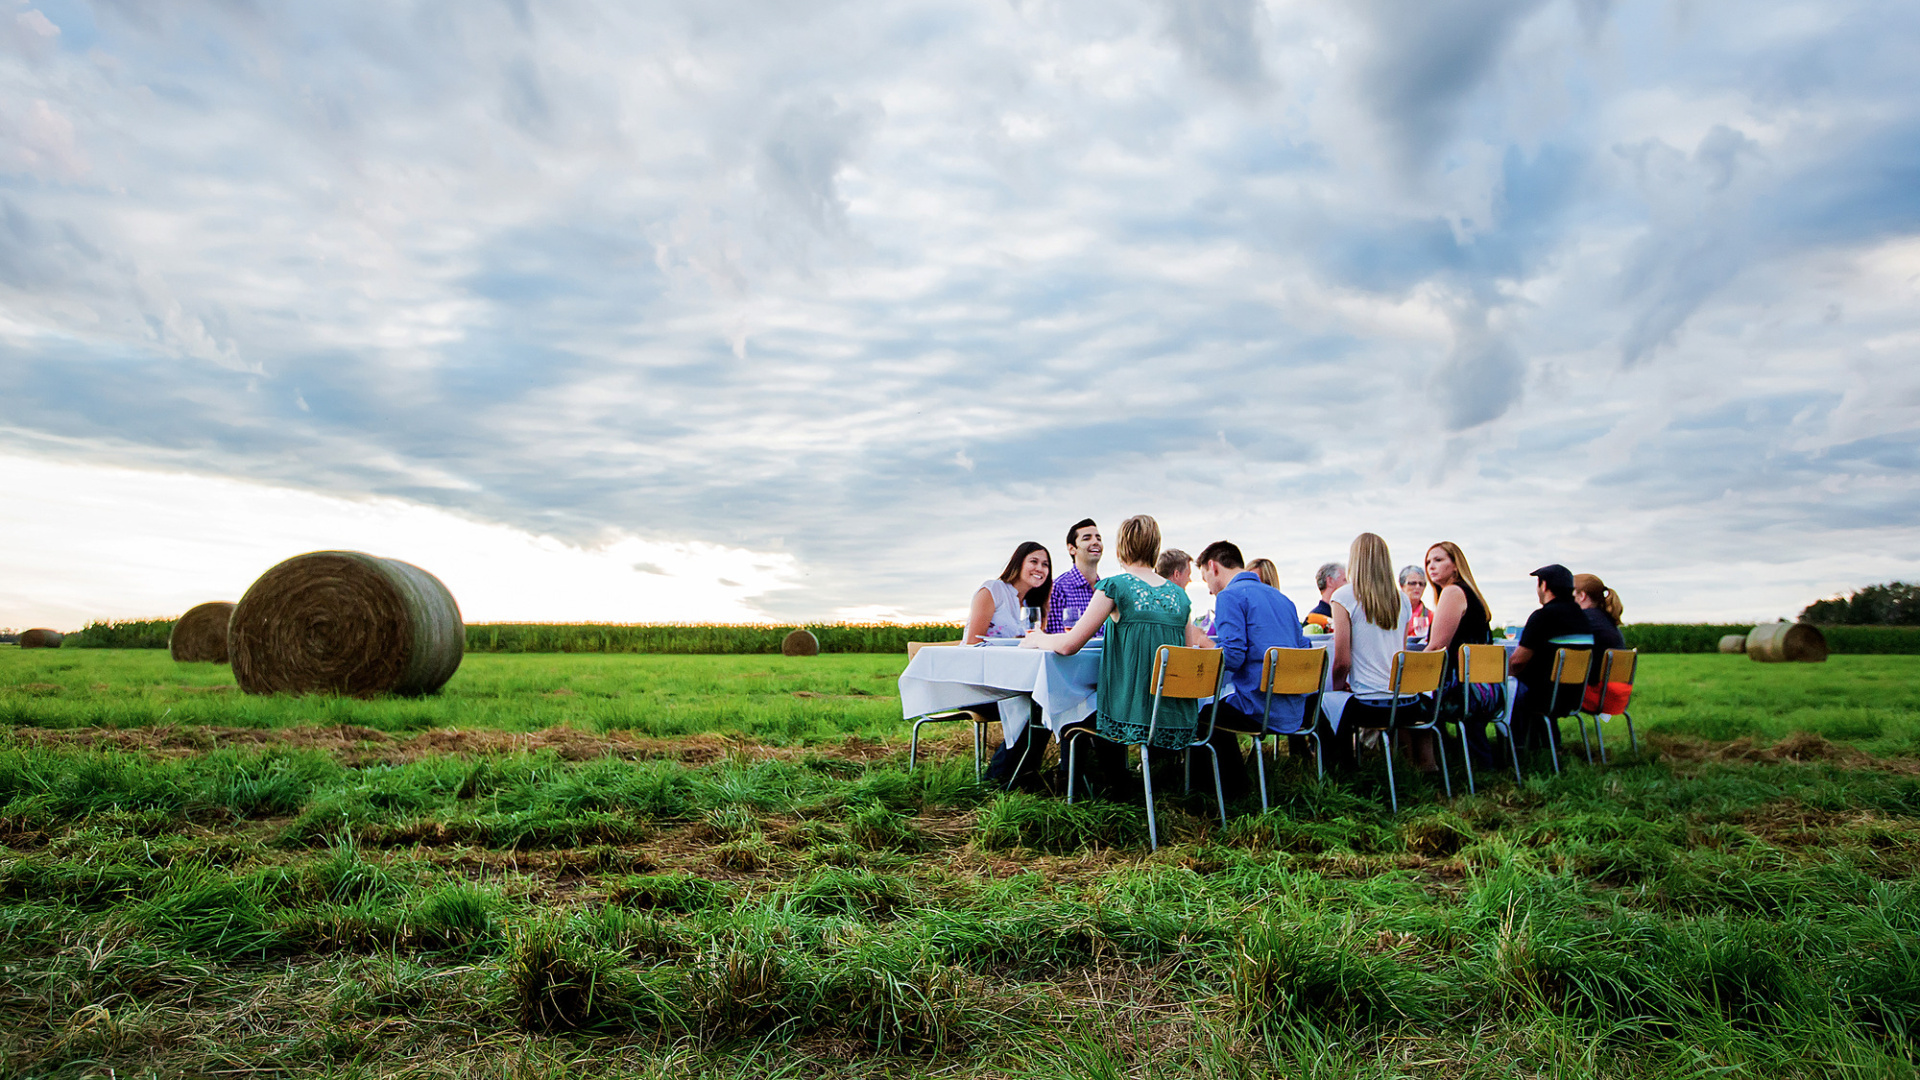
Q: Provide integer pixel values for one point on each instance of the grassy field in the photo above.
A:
(717, 866)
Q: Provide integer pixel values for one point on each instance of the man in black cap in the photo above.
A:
(1559, 623)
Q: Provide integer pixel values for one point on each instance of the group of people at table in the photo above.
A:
(1366, 612)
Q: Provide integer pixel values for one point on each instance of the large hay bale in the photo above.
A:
(1733, 643)
(41, 639)
(200, 636)
(800, 643)
(344, 622)
(1782, 642)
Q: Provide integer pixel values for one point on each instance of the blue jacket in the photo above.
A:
(1250, 617)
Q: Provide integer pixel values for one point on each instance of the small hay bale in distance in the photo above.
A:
(41, 638)
(200, 636)
(1733, 643)
(1785, 642)
(800, 643)
(345, 622)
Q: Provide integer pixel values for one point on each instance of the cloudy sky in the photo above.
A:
(730, 309)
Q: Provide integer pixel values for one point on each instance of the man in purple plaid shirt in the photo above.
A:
(1074, 589)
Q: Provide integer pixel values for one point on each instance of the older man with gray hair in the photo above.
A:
(1327, 579)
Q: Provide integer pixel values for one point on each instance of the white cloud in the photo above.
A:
(886, 289)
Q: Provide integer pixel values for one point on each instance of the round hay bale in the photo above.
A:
(41, 638)
(800, 643)
(200, 636)
(1784, 642)
(1733, 643)
(345, 622)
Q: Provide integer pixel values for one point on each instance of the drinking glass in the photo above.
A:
(1069, 616)
(1032, 616)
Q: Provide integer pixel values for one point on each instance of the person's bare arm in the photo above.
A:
(1068, 642)
(979, 617)
(1198, 639)
(1446, 617)
(1521, 654)
(1342, 647)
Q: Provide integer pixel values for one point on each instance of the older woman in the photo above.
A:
(1414, 583)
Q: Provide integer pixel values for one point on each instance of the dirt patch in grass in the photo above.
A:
(1801, 747)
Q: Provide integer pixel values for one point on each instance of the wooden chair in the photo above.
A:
(1412, 674)
(980, 720)
(1569, 670)
(1482, 665)
(1288, 671)
(1181, 673)
(1610, 697)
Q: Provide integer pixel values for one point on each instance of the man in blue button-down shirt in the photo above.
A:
(1249, 617)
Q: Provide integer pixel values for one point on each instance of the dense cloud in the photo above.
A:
(887, 288)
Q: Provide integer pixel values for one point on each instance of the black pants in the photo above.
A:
(1020, 762)
(1235, 782)
(1533, 731)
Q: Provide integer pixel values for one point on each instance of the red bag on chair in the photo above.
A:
(1618, 696)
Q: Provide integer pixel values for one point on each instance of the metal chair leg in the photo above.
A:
(1440, 748)
(1553, 743)
(1260, 767)
(1386, 740)
(1073, 754)
(1219, 793)
(1146, 778)
(1466, 755)
(1599, 742)
(1631, 737)
(1580, 721)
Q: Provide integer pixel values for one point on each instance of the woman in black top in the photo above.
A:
(1603, 608)
(1460, 617)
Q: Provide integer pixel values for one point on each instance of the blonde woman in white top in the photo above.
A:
(1370, 615)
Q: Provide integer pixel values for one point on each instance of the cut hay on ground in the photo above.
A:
(344, 622)
(800, 643)
(200, 636)
(41, 639)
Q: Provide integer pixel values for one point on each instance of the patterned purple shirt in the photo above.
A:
(1070, 590)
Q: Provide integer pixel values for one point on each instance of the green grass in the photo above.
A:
(251, 887)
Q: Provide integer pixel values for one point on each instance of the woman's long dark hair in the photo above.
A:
(1038, 597)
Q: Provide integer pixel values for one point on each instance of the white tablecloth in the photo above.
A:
(955, 676)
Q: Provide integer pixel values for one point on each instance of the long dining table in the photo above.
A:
(1067, 688)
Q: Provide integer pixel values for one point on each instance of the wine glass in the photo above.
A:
(1069, 616)
(1032, 616)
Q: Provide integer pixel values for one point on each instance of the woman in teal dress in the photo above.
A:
(1148, 611)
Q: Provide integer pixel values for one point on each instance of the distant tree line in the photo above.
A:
(1893, 604)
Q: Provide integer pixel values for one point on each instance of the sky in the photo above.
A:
(737, 311)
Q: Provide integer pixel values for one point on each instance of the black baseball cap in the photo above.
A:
(1558, 579)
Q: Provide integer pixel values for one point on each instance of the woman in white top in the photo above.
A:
(1370, 616)
(995, 613)
(1025, 583)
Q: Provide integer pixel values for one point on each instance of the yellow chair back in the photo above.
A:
(1294, 671)
(1180, 672)
(1483, 663)
(1620, 665)
(1570, 665)
(1416, 672)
